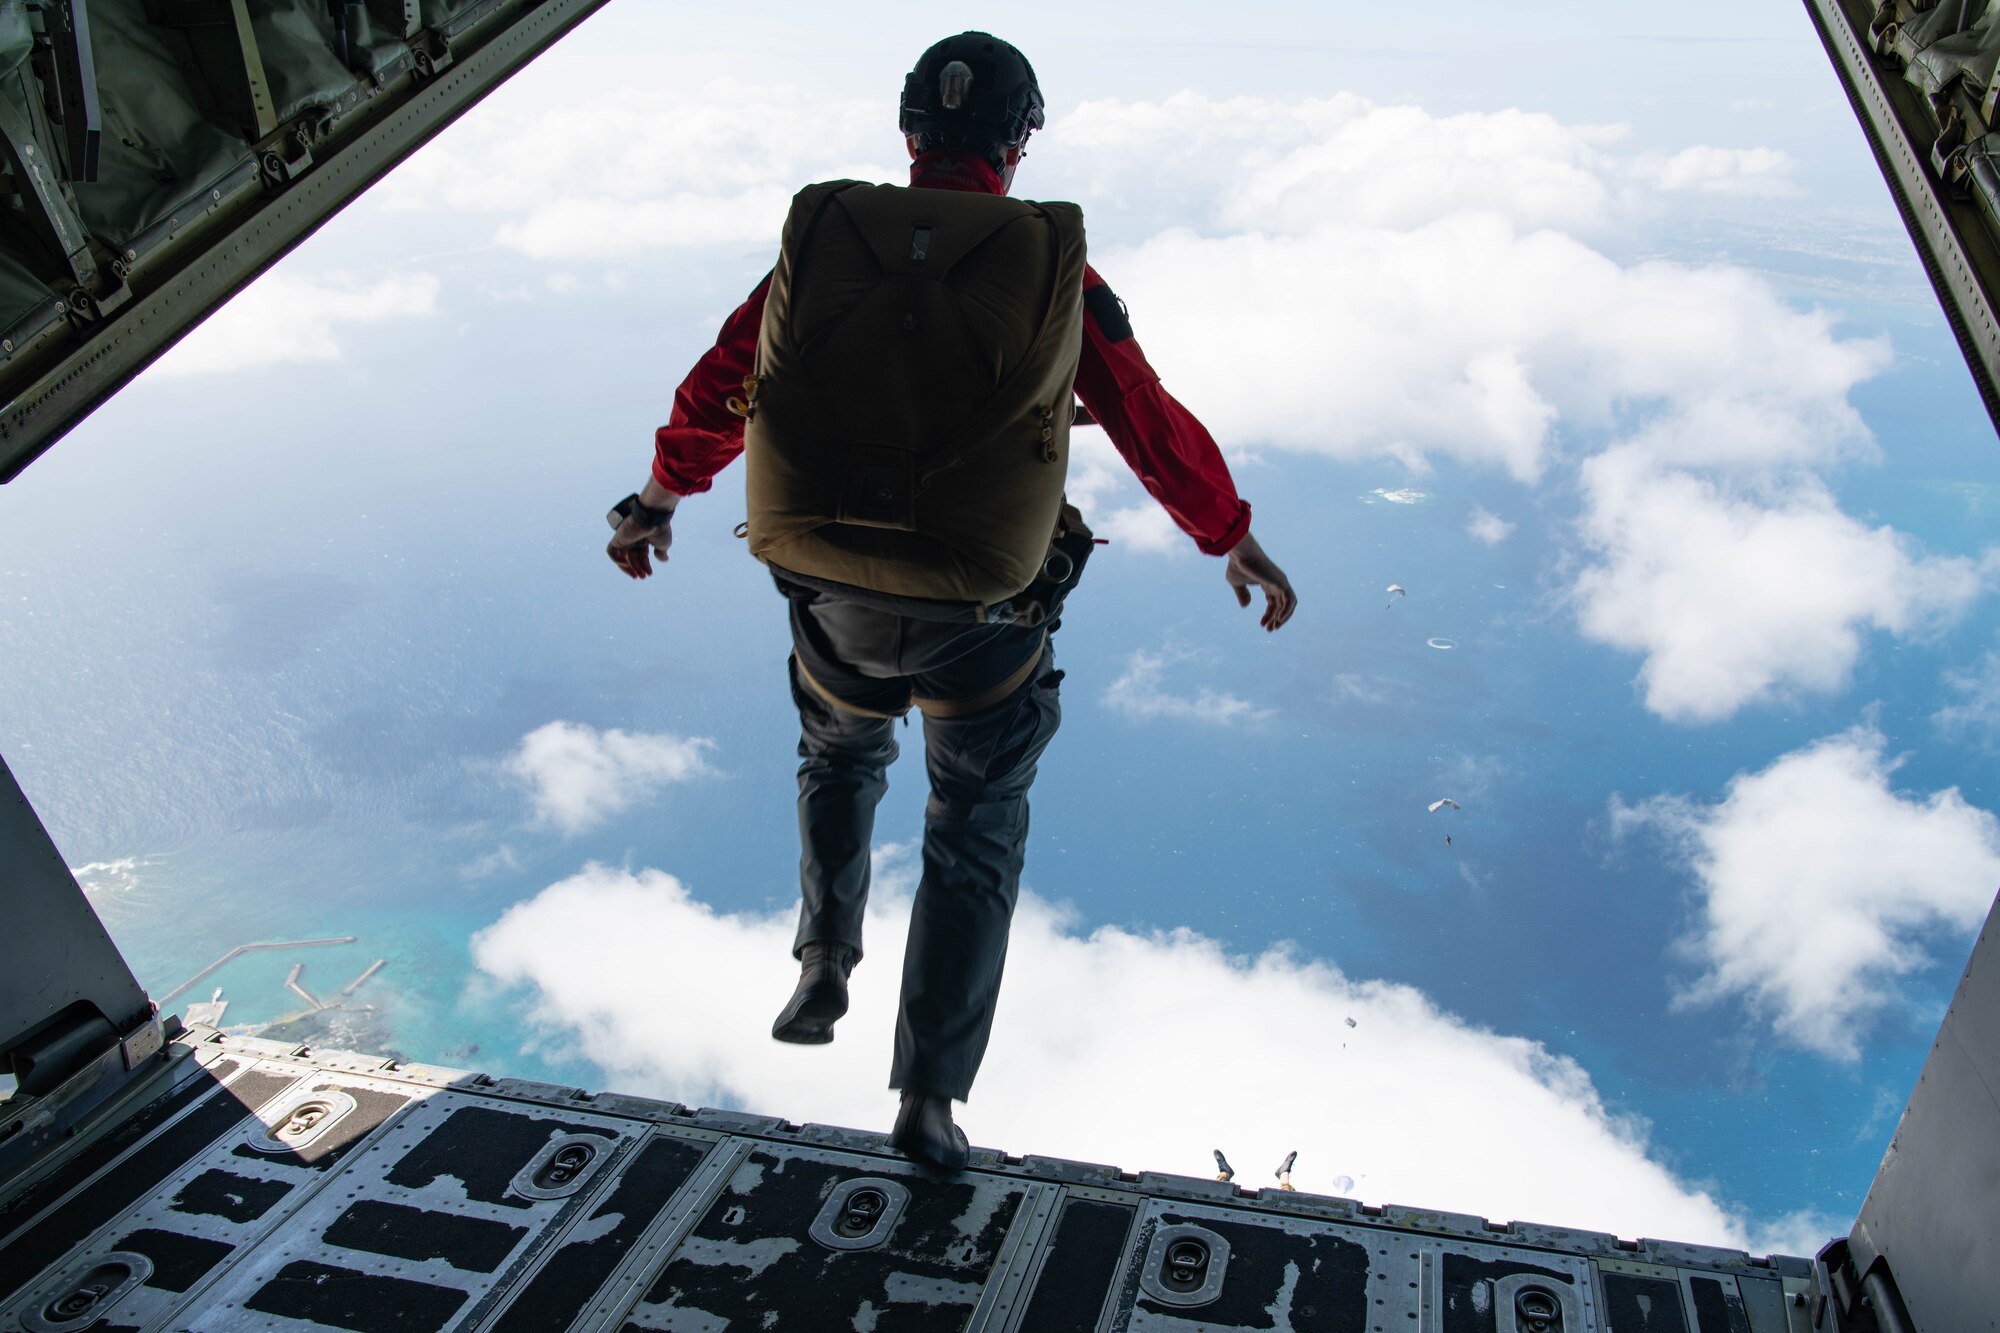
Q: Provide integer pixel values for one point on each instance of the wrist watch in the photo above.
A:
(630, 507)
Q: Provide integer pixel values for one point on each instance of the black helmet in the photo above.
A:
(972, 92)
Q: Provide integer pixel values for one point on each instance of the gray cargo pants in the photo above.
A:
(854, 670)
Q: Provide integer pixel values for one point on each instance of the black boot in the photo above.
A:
(821, 996)
(924, 1133)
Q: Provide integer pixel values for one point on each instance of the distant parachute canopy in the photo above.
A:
(1446, 801)
(1394, 590)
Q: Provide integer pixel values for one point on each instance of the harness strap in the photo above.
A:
(988, 697)
(835, 700)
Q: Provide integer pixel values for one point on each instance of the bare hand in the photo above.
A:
(1249, 567)
(630, 542)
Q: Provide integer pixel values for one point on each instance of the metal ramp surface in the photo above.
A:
(247, 1185)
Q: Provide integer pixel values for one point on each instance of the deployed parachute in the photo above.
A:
(1395, 590)
(1445, 803)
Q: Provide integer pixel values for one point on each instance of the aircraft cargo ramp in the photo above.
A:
(244, 1184)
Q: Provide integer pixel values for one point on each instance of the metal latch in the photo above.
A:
(301, 1121)
(83, 1296)
(1536, 1310)
(864, 1209)
(860, 1213)
(561, 1167)
(1527, 1303)
(1185, 1266)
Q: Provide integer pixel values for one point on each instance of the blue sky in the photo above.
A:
(1599, 336)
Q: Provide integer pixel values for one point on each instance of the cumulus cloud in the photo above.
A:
(1322, 274)
(1488, 527)
(1975, 714)
(579, 776)
(109, 877)
(1331, 301)
(1118, 510)
(1333, 277)
(1819, 886)
(1143, 527)
(501, 858)
(1467, 338)
(285, 318)
(1141, 693)
(1764, 172)
(572, 182)
(1090, 1053)
(1732, 599)
(1263, 164)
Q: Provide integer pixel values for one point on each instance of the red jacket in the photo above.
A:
(1172, 453)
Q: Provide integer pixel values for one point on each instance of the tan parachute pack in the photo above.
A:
(908, 421)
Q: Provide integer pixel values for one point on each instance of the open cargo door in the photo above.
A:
(1920, 1258)
(1921, 76)
(73, 1022)
(156, 155)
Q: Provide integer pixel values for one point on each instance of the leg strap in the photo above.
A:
(835, 700)
(988, 697)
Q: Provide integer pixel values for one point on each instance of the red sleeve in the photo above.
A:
(1173, 454)
(703, 436)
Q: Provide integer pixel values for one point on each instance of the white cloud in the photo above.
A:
(572, 183)
(282, 318)
(1977, 713)
(1324, 275)
(560, 180)
(1734, 599)
(1100, 485)
(1263, 165)
(1091, 1050)
(109, 877)
(1402, 495)
(1141, 693)
(579, 225)
(1803, 1232)
(492, 863)
(1401, 166)
(1763, 172)
(1469, 339)
(1332, 277)
(580, 776)
(1144, 527)
(1488, 527)
(1352, 686)
(1819, 886)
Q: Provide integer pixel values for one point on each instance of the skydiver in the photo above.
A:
(869, 631)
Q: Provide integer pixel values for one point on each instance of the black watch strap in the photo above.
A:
(630, 507)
